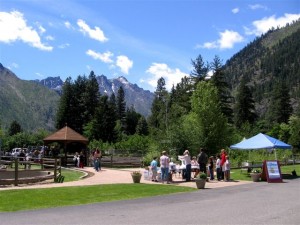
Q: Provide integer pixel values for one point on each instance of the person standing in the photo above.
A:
(202, 160)
(76, 159)
(227, 169)
(218, 168)
(97, 160)
(153, 166)
(222, 163)
(188, 167)
(164, 167)
(211, 168)
(195, 166)
(81, 160)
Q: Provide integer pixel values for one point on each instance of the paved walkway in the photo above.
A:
(117, 176)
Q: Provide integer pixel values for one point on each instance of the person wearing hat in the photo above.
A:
(188, 167)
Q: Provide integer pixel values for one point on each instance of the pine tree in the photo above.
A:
(104, 121)
(121, 108)
(67, 105)
(200, 70)
(132, 118)
(90, 97)
(14, 128)
(219, 81)
(159, 109)
(280, 108)
(142, 127)
(182, 93)
(244, 106)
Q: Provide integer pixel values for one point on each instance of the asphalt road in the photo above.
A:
(253, 203)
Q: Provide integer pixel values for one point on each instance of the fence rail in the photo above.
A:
(16, 165)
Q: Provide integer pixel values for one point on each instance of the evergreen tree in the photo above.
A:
(200, 70)
(280, 108)
(219, 81)
(244, 106)
(66, 106)
(90, 98)
(81, 114)
(132, 118)
(159, 109)
(181, 95)
(142, 127)
(121, 108)
(104, 121)
(78, 102)
(14, 128)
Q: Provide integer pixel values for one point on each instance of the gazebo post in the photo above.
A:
(65, 150)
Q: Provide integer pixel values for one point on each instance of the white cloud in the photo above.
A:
(62, 46)
(50, 38)
(68, 24)
(158, 70)
(104, 57)
(227, 40)
(42, 29)
(13, 28)
(258, 6)
(96, 33)
(124, 63)
(235, 10)
(265, 24)
(208, 45)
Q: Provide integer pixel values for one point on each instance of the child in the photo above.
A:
(218, 168)
(227, 169)
(154, 169)
(211, 167)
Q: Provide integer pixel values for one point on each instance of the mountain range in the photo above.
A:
(135, 96)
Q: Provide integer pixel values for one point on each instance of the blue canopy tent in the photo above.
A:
(261, 141)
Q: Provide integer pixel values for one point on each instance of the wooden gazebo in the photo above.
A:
(66, 135)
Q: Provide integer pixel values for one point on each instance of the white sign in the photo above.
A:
(273, 169)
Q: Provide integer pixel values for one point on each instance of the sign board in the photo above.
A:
(271, 171)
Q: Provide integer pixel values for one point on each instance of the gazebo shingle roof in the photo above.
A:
(66, 134)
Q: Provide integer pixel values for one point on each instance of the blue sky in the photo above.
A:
(141, 40)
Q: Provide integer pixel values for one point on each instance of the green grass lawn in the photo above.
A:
(30, 199)
(71, 175)
(236, 174)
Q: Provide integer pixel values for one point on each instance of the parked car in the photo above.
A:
(16, 152)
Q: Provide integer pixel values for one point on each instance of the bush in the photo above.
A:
(202, 176)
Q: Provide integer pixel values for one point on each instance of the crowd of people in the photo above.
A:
(94, 159)
(218, 165)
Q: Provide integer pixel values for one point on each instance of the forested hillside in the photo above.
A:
(30, 104)
(270, 59)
